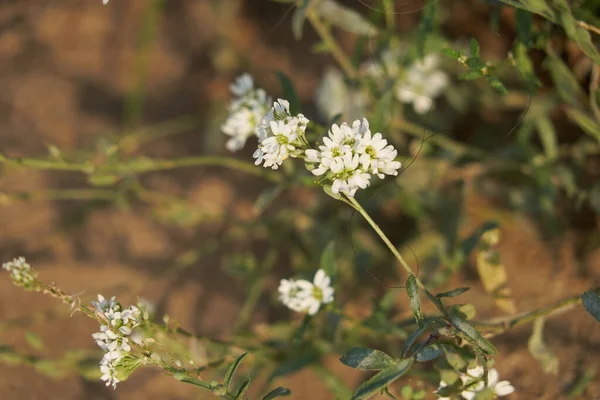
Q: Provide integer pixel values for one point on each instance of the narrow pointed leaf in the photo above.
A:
(328, 259)
(591, 303)
(413, 293)
(452, 293)
(382, 379)
(231, 370)
(278, 392)
(471, 333)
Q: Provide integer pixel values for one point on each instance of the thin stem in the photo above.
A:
(593, 89)
(497, 327)
(143, 164)
(388, 7)
(397, 254)
(589, 27)
(336, 50)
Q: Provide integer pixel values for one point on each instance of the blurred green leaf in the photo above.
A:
(455, 54)
(278, 392)
(266, 198)
(243, 387)
(328, 259)
(539, 351)
(298, 19)
(523, 20)
(496, 84)
(429, 353)
(485, 394)
(575, 32)
(585, 122)
(566, 85)
(471, 75)
(525, 67)
(467, 311)
(426, 26)
(34, 340)
(547, 134)
(591, 303)
(455, 360)
(474, 47)
(289, 92)
(413, 294)
(383, 378)
(452, 293)
(231, 370)
(366, 359)
(345, 18)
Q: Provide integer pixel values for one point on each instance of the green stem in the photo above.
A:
(397, 254)
(143, 164)
(388, 7)
(336, 50)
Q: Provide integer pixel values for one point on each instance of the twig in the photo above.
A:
(589, 27)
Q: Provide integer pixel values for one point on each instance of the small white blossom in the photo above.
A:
(422, 82)
(316, 293)
(305, 296)
(376, 155)
(347, 176)
(245, 112)
(280, 136)
(117, 324)
(21, 272)
(105, 2)
(473, 381)
(340, 141)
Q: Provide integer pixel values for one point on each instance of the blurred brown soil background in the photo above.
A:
(66, 69)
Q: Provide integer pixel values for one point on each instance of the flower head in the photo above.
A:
(305, 296)
(21, 273)
(473, 383)
(422, 82)
(280, 136)
(245, 112)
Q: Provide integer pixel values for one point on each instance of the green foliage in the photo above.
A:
(591, 302)
(366, 359)
(382, 379)
(413, 294)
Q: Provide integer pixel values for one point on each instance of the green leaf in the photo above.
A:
(383, 378)
(345, 18)
(455, 360)
(496, 84)
(366, 359)
(485, 394)
(525, 66)
(585, 122)
(429, 353)
(452, 293)
(471, 333)
(467, 311)
(328, 259)
(567, 86)
(539, 351)
(412, 338)
(266, 198)
(426, 27)
(591, 303)
(471, 75)
(232, 368)
(34, 340)
(413, 294)
(289, 93)
(523, 20)
(451, 53)
(298, 19)
(278, 392)
(575, 32)
(474, 47)
(243, 387)
(547, 133)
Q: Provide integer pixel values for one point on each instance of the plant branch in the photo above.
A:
(336, 50)
(589, 27)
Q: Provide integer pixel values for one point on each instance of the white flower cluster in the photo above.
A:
(280, 135)
(21, 272)
(473, 382)
(423, 81)
(304, 296)
(114, 334)
(349, 155)
(245, 112)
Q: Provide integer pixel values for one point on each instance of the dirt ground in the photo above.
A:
(65, 70)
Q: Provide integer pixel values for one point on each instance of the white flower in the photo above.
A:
(105, 2)
(334, 97)
(305, 296)
(21, 272)
(280, 135)
(422, 82)
(108, 370)
(473, 381)
(377, 156)
(316, 293)
(245, 112)
(347, 176)
(340, 141)
(288, 294)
